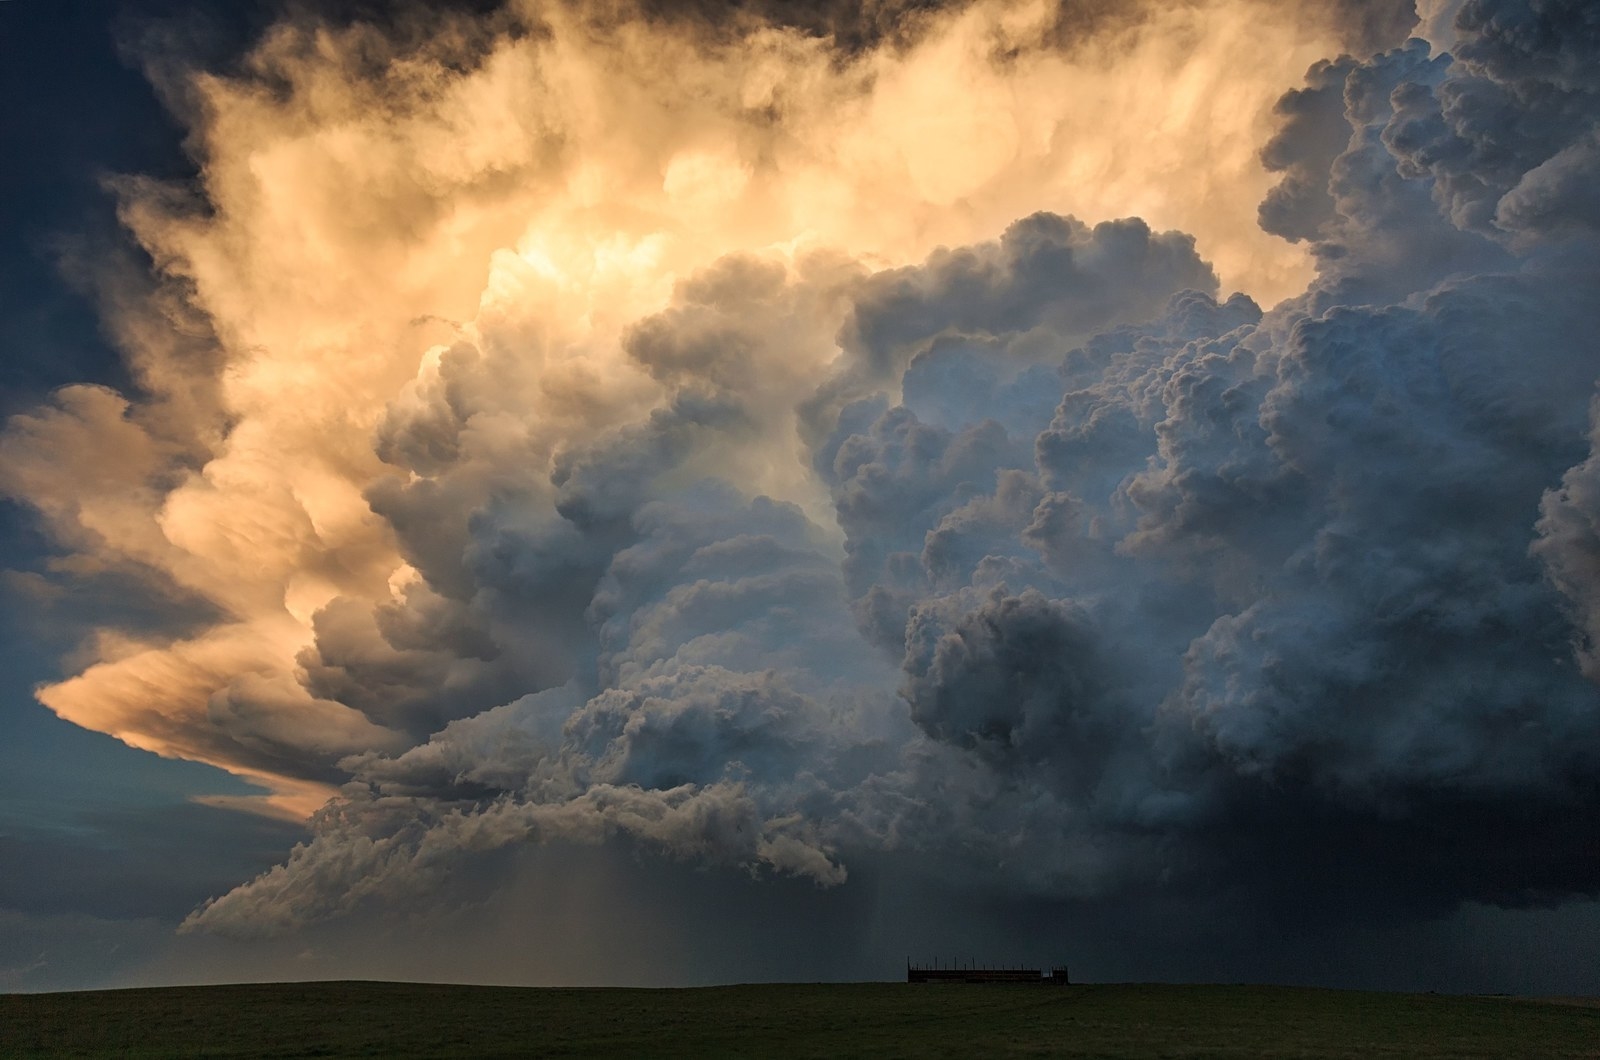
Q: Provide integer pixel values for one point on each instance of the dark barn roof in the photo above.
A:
(976, 974)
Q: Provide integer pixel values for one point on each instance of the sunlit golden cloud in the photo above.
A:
(361, 210)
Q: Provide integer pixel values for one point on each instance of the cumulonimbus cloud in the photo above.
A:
(763, 449)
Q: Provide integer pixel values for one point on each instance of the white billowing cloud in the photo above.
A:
(733, 447)
(1436, 22)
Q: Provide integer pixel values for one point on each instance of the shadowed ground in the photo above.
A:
(872, 1019)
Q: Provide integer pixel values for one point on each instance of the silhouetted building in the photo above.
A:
(976, 973)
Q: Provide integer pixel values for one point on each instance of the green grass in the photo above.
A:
(871, 1019)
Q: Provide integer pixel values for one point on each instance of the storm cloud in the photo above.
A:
(767, 500)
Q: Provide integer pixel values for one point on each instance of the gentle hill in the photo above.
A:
(799, 1020)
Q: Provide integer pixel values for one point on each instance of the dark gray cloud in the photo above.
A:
(1294, 605)
(1313, 135)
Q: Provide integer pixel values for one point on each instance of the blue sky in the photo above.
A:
(90, 825)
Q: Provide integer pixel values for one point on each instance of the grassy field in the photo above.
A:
(871, 1019)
